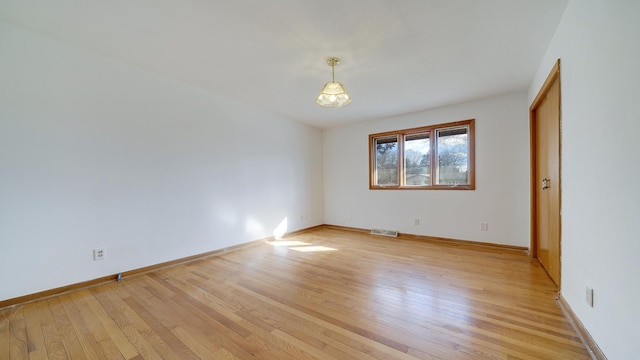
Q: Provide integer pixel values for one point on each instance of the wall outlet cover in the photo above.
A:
(99, 254)
(589, 296)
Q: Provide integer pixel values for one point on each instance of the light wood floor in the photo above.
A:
(370, 298)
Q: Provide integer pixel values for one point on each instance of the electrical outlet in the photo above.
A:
(484, 226)
(99, 254)
(416, 221)
(590, 296)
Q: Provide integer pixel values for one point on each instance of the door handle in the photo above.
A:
(546, 183)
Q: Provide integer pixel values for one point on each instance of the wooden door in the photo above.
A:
(545, 129)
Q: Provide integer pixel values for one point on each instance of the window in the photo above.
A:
(429, 157)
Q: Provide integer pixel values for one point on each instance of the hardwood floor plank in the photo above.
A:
(194, 345)
(370, 298)
(18, 346)
(80, 301)
(116, 336)
(53, 341)
(224, 354)
(70, 341)
(86, 333)
(111, 351)
(37, 317)
(163, 340)
(5, 336)
(126, 319)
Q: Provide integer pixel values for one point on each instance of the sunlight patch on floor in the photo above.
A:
(284, 245)
(312, 248)
(288, 243)
(300, 246)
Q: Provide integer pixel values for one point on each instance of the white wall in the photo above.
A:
(599, 46)
(98, 154)
(501, 197)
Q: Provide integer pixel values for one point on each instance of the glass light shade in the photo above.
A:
(333, 95)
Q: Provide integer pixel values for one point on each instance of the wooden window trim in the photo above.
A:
(431, 130)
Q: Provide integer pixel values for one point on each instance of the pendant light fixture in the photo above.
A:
(333, 94)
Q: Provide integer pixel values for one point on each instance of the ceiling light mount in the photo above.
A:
(333, 61)
(333, 94)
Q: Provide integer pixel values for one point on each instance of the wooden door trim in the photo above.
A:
(553, 76)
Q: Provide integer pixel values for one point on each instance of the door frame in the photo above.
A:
(533, 247)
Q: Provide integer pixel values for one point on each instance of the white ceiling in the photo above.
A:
(397, 56)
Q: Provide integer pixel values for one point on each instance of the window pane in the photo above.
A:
(386, 161)
(417, 161)
(453, 156)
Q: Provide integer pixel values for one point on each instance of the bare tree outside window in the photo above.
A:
(453, 157)
(417, 170)
(387, 161)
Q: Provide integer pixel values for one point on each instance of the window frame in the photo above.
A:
(432, 131)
